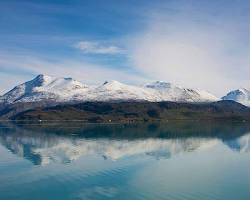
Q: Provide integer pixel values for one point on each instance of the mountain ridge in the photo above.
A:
(58, 89)
(44, 88)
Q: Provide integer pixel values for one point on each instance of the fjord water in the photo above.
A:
(176, 160)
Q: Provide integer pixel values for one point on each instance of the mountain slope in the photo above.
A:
(139, 111)
(47, 88)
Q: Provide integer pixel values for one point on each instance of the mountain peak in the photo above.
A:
(243, 90)
(113, 84)
(40, 79)
(240, 91)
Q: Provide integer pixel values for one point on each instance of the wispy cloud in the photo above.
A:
(97, 48)
(27, 66)
(195, 46)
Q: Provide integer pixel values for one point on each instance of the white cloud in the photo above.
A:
(193, 48)
(97, 48)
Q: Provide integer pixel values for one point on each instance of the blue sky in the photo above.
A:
(200, 44)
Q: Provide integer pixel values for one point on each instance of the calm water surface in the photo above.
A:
(177, 160)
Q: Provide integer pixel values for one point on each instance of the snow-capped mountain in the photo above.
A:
(56, 89)
(241, 95)
(44, 87)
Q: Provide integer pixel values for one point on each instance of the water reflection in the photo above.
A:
(43, 144)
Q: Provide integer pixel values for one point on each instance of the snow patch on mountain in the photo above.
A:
(56, 89)
(115, 90)
(170, 92)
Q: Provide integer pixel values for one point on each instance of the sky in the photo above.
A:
(197, 44)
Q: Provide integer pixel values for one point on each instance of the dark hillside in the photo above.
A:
(139, 111)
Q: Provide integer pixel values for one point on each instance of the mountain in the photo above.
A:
(241, 95)
(54, 89)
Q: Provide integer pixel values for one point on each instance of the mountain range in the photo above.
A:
(54, 98)
(55, 89)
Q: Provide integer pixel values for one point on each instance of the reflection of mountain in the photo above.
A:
(41, 151)
(116, 149)
(42, 147)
